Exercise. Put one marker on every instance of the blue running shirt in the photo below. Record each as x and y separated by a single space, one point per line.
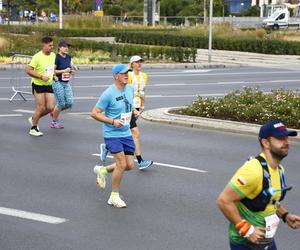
63 63
115 103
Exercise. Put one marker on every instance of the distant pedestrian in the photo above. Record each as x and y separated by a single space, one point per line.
62 88
41 69
114 110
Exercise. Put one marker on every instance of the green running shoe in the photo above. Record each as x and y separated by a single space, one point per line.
101 173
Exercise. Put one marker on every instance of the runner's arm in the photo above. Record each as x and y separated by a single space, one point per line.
60 71
99 116
30 71
226 203
291 219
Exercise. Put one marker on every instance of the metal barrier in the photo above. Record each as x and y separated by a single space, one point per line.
18 64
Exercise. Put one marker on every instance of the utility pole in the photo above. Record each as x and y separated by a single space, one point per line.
210 30
151 12
204 12
60 14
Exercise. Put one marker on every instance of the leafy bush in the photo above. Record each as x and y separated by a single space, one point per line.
249 105
267 46
30 45
125 51
72 32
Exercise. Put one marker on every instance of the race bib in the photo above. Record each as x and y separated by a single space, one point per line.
126 118
137 103
65 77
272 223
49 70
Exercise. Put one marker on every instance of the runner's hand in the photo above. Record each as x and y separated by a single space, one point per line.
118 123
257 235
55 78
45 78
67 70
293 221
136 113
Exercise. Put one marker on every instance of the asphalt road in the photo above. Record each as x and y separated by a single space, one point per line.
170 206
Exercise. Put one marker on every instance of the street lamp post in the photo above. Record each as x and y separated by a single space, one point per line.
210 30
60 15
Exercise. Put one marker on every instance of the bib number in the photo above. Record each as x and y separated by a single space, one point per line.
65 77
49 70
272 223
126 118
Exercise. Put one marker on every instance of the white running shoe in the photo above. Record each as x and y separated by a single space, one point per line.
35 132
116 201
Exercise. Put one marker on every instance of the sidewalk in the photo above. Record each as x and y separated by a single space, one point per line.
148 66
220 59
163 115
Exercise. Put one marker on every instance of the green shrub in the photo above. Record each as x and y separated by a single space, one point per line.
72 32
267 46
249 105
30 45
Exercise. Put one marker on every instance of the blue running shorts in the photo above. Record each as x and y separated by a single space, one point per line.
120 144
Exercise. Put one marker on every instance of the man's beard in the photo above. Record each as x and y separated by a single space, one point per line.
278 153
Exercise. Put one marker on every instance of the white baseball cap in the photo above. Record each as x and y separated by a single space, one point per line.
135 59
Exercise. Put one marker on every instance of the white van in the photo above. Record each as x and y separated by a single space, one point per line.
279 19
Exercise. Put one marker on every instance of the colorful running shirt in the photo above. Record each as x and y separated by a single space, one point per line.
63 63
117 104
43 65
138 82
247 182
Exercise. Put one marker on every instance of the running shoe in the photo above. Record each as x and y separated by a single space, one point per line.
30 121
144 164
116 201
56 125
103 152
101 173
35 132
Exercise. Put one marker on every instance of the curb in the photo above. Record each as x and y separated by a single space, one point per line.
148 66
163 115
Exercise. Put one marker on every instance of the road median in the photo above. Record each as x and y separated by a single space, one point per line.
165 115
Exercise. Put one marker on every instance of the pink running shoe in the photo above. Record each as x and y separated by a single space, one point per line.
56 125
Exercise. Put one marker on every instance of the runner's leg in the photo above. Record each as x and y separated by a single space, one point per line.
59 94
118 171
136 136
50 102
68 96
40 107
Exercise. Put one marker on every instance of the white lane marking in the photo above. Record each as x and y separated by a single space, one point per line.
79 113
196 70
10 115
222 74
19 87
184 84
31 216
182 73
168 165
148 96
24 111
242 82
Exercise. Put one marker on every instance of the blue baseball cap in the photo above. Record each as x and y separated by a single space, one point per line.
64 43
275 128
120 69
